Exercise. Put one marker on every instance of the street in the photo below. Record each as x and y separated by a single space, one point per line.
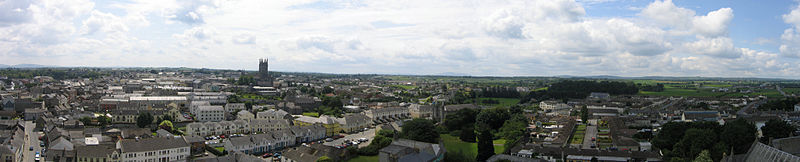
31 140
591 131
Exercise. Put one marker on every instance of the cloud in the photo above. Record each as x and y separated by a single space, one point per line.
684 21
244 39
790 39
717 47
15 12
514 37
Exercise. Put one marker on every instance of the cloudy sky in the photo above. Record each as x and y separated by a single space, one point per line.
720 38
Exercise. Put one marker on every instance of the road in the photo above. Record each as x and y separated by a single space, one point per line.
745 111
591 131
31 140
369 134
778 87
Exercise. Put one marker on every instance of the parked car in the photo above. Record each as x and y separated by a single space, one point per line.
329 139
363 139
267 155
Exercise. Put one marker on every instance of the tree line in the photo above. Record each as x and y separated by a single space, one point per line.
568 89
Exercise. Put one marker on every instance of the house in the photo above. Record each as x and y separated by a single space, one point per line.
599 95
245 115
387 114
210 113
153 149
331 126
309 133
96 153
233 107
196 104
421 111
231 157
354 122
273 114
262 125
691 116
196 144
410 150
33 114
454 108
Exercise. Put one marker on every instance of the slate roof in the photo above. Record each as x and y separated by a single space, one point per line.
150 144
98 151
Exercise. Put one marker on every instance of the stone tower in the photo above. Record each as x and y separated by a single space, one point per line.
264 79
263 68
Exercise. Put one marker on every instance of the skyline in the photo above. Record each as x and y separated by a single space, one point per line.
478 38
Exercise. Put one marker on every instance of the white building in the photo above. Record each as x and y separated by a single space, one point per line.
553 106
153 150
210 113
388 114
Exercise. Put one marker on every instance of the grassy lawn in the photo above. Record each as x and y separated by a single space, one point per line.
220 149
364 159
541 89
503 101
453 144
312 114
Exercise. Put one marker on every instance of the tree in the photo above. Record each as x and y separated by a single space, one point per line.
703 157
775 129
325 159
485 145
467 133
740 134
494 117
144 119
420 129
104 120
694 141
166 125
460 119
584 114
86 120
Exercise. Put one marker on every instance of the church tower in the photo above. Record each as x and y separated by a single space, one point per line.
264 79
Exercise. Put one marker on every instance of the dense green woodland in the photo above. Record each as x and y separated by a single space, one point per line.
683 141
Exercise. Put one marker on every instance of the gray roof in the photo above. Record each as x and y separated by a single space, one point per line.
151 144
94 151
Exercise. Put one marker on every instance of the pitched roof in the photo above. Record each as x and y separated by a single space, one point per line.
151 144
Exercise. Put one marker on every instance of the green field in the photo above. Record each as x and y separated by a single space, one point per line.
364 159
312 114
503 101
220 149
670 90
791 90
453 144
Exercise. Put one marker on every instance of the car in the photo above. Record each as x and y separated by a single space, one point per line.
31 148
37 154
363 139
267 155
329 139
593 139
41 144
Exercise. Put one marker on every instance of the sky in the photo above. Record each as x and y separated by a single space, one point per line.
710 38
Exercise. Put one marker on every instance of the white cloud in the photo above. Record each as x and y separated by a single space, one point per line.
684 21
513 37
717 47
